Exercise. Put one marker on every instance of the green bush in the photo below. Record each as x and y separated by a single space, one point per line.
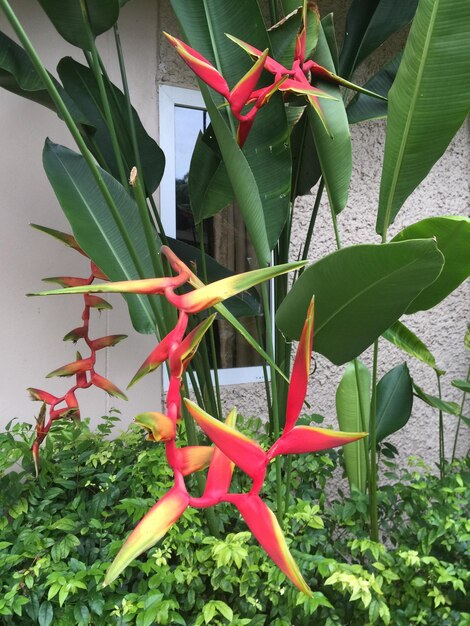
60 532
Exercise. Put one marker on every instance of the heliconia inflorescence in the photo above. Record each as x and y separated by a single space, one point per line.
82 369
231 448
297 80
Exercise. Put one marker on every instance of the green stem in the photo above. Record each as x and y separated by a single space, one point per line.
273 12
313 219
464 395
335 228
442 453
130 116
211 329
364 425
374 529
288 475
156 214
95 67
274 406
74 131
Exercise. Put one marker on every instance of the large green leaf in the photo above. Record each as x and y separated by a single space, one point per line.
69 21
359 292
428 102
362 107
333 147
210 190
402 337
369 23
81 85
394 401
352 394
267 153
452 235
95 228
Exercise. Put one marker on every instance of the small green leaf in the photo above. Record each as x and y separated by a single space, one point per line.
402 337
46 613
394 401
463 385
442 405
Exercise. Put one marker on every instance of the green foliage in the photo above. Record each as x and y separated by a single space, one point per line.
360 291
59 532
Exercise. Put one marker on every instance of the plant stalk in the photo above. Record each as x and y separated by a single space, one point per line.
464 395
374 529
442 453
95 67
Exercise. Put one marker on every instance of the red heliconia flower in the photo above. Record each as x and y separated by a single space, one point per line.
231 448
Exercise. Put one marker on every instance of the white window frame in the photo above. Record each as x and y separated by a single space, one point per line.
169 97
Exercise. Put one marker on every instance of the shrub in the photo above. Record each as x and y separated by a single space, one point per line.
60 532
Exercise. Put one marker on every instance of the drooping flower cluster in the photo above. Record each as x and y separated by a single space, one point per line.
297 80
82 369
231 447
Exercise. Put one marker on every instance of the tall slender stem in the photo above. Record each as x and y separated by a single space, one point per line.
464 395
364 425
442 453
374 529
335 227
313 219
211 329
274 397
95 67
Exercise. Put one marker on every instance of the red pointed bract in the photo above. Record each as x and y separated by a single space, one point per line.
151 528
200 66
263 524
43 396
302 439
243 89
81 365
248 455
300 371
108 386
161 353
107 342
220 471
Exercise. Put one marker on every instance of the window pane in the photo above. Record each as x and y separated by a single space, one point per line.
225 237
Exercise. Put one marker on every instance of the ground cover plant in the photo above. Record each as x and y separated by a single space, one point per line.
60 533
279 126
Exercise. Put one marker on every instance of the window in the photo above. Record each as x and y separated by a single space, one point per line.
182 117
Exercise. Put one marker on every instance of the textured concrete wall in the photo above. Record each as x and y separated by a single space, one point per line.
444 192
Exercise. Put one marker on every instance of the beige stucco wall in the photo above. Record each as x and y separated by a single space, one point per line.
30 330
